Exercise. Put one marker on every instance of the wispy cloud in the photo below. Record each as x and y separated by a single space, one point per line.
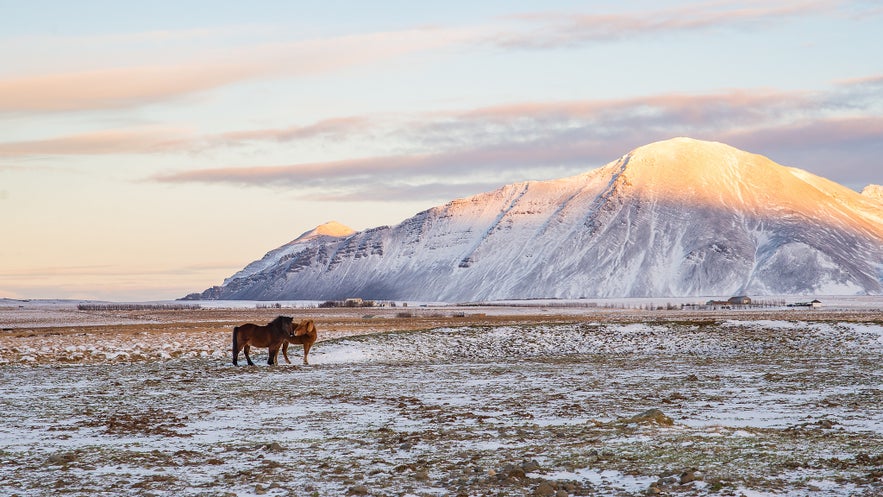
116 87
844 149
840 132
405 192
118 141
555 29
137 85
332 128
167 139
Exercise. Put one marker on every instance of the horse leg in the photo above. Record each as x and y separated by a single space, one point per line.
247 357
285 351
235 347
274 351
307 352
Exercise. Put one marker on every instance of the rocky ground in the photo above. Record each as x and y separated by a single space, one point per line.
484 404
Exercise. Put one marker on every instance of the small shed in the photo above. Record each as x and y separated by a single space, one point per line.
740 300
816 304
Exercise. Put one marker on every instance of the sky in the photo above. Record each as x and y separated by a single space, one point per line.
150 149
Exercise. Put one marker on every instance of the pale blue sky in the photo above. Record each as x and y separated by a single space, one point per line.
151 149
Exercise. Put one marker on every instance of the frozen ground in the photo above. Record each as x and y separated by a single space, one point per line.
755 408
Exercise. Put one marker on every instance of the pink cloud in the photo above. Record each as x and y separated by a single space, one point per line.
109 88
300 173
404 168
333 127
867 80
145 140
131 86
124 141
692 106
837 132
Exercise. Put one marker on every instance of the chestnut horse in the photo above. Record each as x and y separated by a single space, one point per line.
271 335
305 333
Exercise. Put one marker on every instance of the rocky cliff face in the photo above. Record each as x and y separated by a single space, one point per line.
675 218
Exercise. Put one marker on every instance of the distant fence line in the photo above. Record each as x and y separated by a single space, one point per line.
626 305
137 307
758 303
529 303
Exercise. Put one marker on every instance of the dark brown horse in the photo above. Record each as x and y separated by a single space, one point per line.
305 333
271 335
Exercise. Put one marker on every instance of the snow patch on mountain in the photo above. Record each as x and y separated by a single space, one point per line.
874 192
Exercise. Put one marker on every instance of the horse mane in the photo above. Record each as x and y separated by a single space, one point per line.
280 320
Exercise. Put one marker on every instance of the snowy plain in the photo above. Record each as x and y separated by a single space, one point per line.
754 407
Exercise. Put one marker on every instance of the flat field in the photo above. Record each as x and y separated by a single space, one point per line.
438 401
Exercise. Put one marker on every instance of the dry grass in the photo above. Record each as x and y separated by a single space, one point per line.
40 334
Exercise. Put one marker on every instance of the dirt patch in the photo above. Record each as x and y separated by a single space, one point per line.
153 421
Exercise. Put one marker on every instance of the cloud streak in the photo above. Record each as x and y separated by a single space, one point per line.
133 86
105 142
333 128
551 30
166 139
113 88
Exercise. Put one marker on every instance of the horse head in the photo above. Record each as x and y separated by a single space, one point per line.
306 327
284 323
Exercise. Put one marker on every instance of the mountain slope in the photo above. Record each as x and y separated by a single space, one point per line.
675 218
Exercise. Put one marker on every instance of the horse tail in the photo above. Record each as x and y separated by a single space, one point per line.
235 344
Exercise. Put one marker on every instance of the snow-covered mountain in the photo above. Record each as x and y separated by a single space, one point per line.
674 218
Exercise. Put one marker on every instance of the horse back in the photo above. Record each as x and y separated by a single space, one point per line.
252 334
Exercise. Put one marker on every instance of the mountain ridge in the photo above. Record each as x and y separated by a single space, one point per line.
680 217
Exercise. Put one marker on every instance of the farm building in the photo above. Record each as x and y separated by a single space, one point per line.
740 300
815 304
